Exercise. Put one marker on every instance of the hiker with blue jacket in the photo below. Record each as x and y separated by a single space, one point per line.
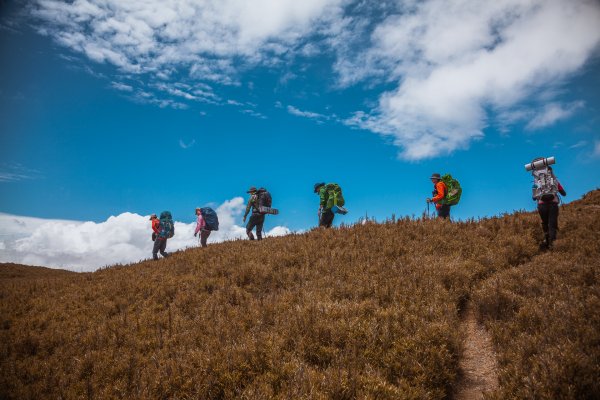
256 219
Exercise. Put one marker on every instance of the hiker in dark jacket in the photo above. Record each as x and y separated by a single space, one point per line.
439 193
548 210
325 214
256 219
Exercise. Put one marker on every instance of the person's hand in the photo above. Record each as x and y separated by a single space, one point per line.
195 233
428 200
244 220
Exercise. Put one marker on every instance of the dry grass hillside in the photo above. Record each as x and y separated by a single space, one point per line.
367 311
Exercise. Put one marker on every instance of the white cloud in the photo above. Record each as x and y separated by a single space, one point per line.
579 144
153 35
552 113
184 145
596 151
87 246
454 60
306 114
17 172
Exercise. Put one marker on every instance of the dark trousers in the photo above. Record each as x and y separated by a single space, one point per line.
326 219
444 211
204 234
160 244
549 214
256 220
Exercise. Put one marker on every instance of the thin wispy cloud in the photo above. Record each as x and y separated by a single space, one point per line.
552 113
306 114
184 145
17 172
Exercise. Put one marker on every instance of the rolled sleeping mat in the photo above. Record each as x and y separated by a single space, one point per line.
539 164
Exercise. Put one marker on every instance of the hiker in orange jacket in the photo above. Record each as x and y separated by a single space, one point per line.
155 228
439 193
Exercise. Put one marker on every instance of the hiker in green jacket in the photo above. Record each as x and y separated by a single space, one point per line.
325 214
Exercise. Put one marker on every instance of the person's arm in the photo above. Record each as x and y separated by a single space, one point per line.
561 190
249 206
199 224
322 197
156 226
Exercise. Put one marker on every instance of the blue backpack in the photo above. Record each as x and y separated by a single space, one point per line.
167 227
211 219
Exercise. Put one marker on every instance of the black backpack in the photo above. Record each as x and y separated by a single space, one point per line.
264 199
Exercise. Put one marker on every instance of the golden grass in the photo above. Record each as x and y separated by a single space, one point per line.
367 311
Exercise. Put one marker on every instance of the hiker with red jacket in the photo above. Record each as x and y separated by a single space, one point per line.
201 227
548 211
439 193
155 229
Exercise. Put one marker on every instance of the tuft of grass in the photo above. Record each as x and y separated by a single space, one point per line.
364 311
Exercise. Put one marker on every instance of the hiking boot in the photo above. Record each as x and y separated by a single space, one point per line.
543 246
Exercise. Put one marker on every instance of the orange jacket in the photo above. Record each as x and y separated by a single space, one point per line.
440 192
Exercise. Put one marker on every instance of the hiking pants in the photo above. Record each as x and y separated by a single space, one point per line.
549 214
326 218
256 220
204 234
443 211
160 244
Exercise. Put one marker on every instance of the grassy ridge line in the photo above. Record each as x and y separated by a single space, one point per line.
368 311
544 315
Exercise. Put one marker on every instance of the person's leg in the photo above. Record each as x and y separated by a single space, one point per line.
155 248
163 247
444 211
552 223
260 221
327 218
250 226
204 234
543 211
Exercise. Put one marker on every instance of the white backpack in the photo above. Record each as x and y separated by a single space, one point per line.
545 185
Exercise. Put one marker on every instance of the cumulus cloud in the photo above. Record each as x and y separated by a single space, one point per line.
87 246
454 60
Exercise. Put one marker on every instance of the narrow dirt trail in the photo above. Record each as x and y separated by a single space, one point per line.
478 362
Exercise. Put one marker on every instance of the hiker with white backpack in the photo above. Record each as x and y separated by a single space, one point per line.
545 191
206 222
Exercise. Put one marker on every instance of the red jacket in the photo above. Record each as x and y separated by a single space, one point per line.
155 225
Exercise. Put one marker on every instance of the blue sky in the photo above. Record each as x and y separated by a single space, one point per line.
140 106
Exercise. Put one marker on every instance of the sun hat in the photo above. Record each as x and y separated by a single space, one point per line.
435 176
251 190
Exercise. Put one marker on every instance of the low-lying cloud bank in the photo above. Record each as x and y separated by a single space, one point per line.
87 246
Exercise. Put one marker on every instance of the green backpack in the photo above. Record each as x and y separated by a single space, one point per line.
454 190
334 195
